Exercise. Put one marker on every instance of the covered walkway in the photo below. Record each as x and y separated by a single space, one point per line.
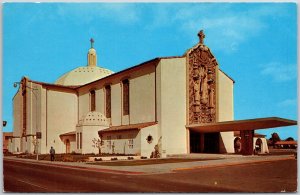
246 128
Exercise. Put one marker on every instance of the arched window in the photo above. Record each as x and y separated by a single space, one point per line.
93 100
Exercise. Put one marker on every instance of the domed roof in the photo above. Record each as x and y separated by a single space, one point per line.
83 75
94 118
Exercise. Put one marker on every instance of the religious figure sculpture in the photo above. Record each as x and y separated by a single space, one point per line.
196 96
211 98
202 86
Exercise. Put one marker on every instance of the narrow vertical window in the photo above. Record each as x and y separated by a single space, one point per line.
93 100
125 97
80 140
108 101
130 141
77 140
24 110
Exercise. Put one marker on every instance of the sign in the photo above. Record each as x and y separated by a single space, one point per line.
38 135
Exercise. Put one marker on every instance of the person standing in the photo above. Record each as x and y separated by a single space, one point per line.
52 153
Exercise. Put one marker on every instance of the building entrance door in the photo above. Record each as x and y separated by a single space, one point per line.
194 142
211 142
67 146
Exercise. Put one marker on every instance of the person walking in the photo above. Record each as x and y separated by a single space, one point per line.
52 152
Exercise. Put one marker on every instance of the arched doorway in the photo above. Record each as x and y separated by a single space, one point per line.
237 145
258 145
67 146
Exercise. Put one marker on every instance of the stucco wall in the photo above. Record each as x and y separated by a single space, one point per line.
43 146
121 145
15 145
88 134
142 96
116 104
172 105
84 102
148 148
33 115
100 100
62 117
225 110
17 113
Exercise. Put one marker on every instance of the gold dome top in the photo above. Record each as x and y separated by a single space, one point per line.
85 74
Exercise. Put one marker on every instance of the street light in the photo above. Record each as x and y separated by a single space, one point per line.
35 140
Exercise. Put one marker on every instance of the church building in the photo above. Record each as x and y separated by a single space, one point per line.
178 105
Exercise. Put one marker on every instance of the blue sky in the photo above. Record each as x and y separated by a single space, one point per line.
254 43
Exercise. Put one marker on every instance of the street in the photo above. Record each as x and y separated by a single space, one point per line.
276 176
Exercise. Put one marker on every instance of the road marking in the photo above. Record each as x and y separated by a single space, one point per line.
32 184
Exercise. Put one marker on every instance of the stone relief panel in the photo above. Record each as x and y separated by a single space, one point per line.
202 85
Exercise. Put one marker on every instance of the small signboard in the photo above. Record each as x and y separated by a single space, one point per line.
38 135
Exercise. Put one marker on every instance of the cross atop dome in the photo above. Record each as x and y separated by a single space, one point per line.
201 36
92 42
92 55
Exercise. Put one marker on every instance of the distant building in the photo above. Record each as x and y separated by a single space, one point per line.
7 138
286 144
259 140
181 104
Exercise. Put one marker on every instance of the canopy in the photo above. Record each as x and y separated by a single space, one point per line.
242 125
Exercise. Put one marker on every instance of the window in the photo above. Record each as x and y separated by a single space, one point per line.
80 134
109 142
24 110
108 101
119 136
93 100
130 143
125 97
77 140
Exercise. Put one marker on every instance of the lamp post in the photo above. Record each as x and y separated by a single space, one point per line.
35 140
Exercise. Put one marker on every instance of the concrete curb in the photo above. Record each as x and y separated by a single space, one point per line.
83 167
157 168
231 164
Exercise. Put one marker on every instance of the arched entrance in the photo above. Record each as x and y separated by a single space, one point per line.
67 146
258 145
237 145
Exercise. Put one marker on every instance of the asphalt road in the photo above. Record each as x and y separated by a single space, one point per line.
273 176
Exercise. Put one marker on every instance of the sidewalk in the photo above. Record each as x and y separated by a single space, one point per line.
222 160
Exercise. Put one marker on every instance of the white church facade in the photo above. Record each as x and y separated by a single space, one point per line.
165 101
